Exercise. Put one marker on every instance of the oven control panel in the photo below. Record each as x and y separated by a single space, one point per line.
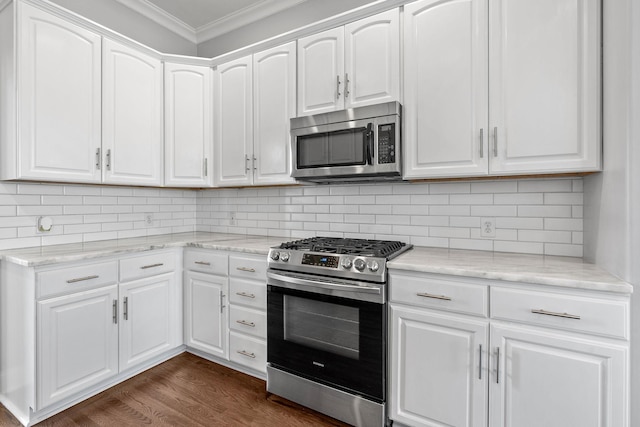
320 260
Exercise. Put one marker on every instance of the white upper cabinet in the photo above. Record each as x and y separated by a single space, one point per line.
274 104
510 87
372 60
188 120
545 85
58 102
254 101
350 66
233 123
132 116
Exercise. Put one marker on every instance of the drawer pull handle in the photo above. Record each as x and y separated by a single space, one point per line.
144 267
244 294
426 295
246 353
244 322
250 270
82 279
202 263
556 314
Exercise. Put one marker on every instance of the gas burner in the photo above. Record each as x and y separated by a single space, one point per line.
337 245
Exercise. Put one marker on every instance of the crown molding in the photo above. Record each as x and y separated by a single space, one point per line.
213 29
159 16
243 17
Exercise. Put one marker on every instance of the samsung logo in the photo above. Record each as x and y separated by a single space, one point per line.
319 364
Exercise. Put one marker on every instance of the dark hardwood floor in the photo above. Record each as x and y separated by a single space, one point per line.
185 391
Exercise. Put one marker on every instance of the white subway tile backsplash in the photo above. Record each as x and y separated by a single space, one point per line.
542 216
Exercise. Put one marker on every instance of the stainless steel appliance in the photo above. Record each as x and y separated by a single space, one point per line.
359 144
326 333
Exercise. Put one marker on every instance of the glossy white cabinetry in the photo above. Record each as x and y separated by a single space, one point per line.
438 372
49 121
500 88
70 330
350 66
248 311
132 116
188 123
254 100
206 294
77 343
544 356
274 104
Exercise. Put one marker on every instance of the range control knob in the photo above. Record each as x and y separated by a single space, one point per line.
359 264
275 255
373 266
347 263
284 256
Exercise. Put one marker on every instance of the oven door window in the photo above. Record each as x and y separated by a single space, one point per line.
338 148
336 341
326 326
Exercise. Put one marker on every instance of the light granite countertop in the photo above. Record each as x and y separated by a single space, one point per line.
534 269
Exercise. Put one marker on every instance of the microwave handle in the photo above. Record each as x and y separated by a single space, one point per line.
369 136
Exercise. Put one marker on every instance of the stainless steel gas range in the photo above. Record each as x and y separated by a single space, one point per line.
327 325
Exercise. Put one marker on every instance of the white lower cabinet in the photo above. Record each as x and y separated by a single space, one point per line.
546 356
77 343
205 315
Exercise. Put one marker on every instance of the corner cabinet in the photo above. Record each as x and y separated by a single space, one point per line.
501 88
541 356
50 122
350 66
254 100
132 116
188 121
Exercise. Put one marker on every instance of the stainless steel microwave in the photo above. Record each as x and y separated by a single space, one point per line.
359 144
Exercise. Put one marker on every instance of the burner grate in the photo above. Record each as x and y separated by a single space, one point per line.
337 245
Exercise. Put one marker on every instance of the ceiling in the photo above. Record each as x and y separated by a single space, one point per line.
202 20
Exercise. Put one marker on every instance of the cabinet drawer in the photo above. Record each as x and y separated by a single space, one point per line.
248 267
248 351
206 261
154 263
248 292
565 311
248 321
441 294
68 279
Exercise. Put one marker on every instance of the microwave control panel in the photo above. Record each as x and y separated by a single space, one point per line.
387 143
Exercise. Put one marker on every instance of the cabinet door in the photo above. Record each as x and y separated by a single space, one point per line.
132 116
274 104
446 94
59 105
545 86
372 60
554 380
233 128
206 313
77 343
438 370
188 120
147 319
321 72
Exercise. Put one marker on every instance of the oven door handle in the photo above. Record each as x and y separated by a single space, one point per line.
303 283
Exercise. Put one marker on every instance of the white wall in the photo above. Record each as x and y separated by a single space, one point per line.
123 20
612 198
298 16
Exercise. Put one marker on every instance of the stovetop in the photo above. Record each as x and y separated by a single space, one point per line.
337 245
358 259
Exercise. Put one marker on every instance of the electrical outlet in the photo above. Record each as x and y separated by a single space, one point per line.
148 219
487 227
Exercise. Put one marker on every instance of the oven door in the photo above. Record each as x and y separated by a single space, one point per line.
336 341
